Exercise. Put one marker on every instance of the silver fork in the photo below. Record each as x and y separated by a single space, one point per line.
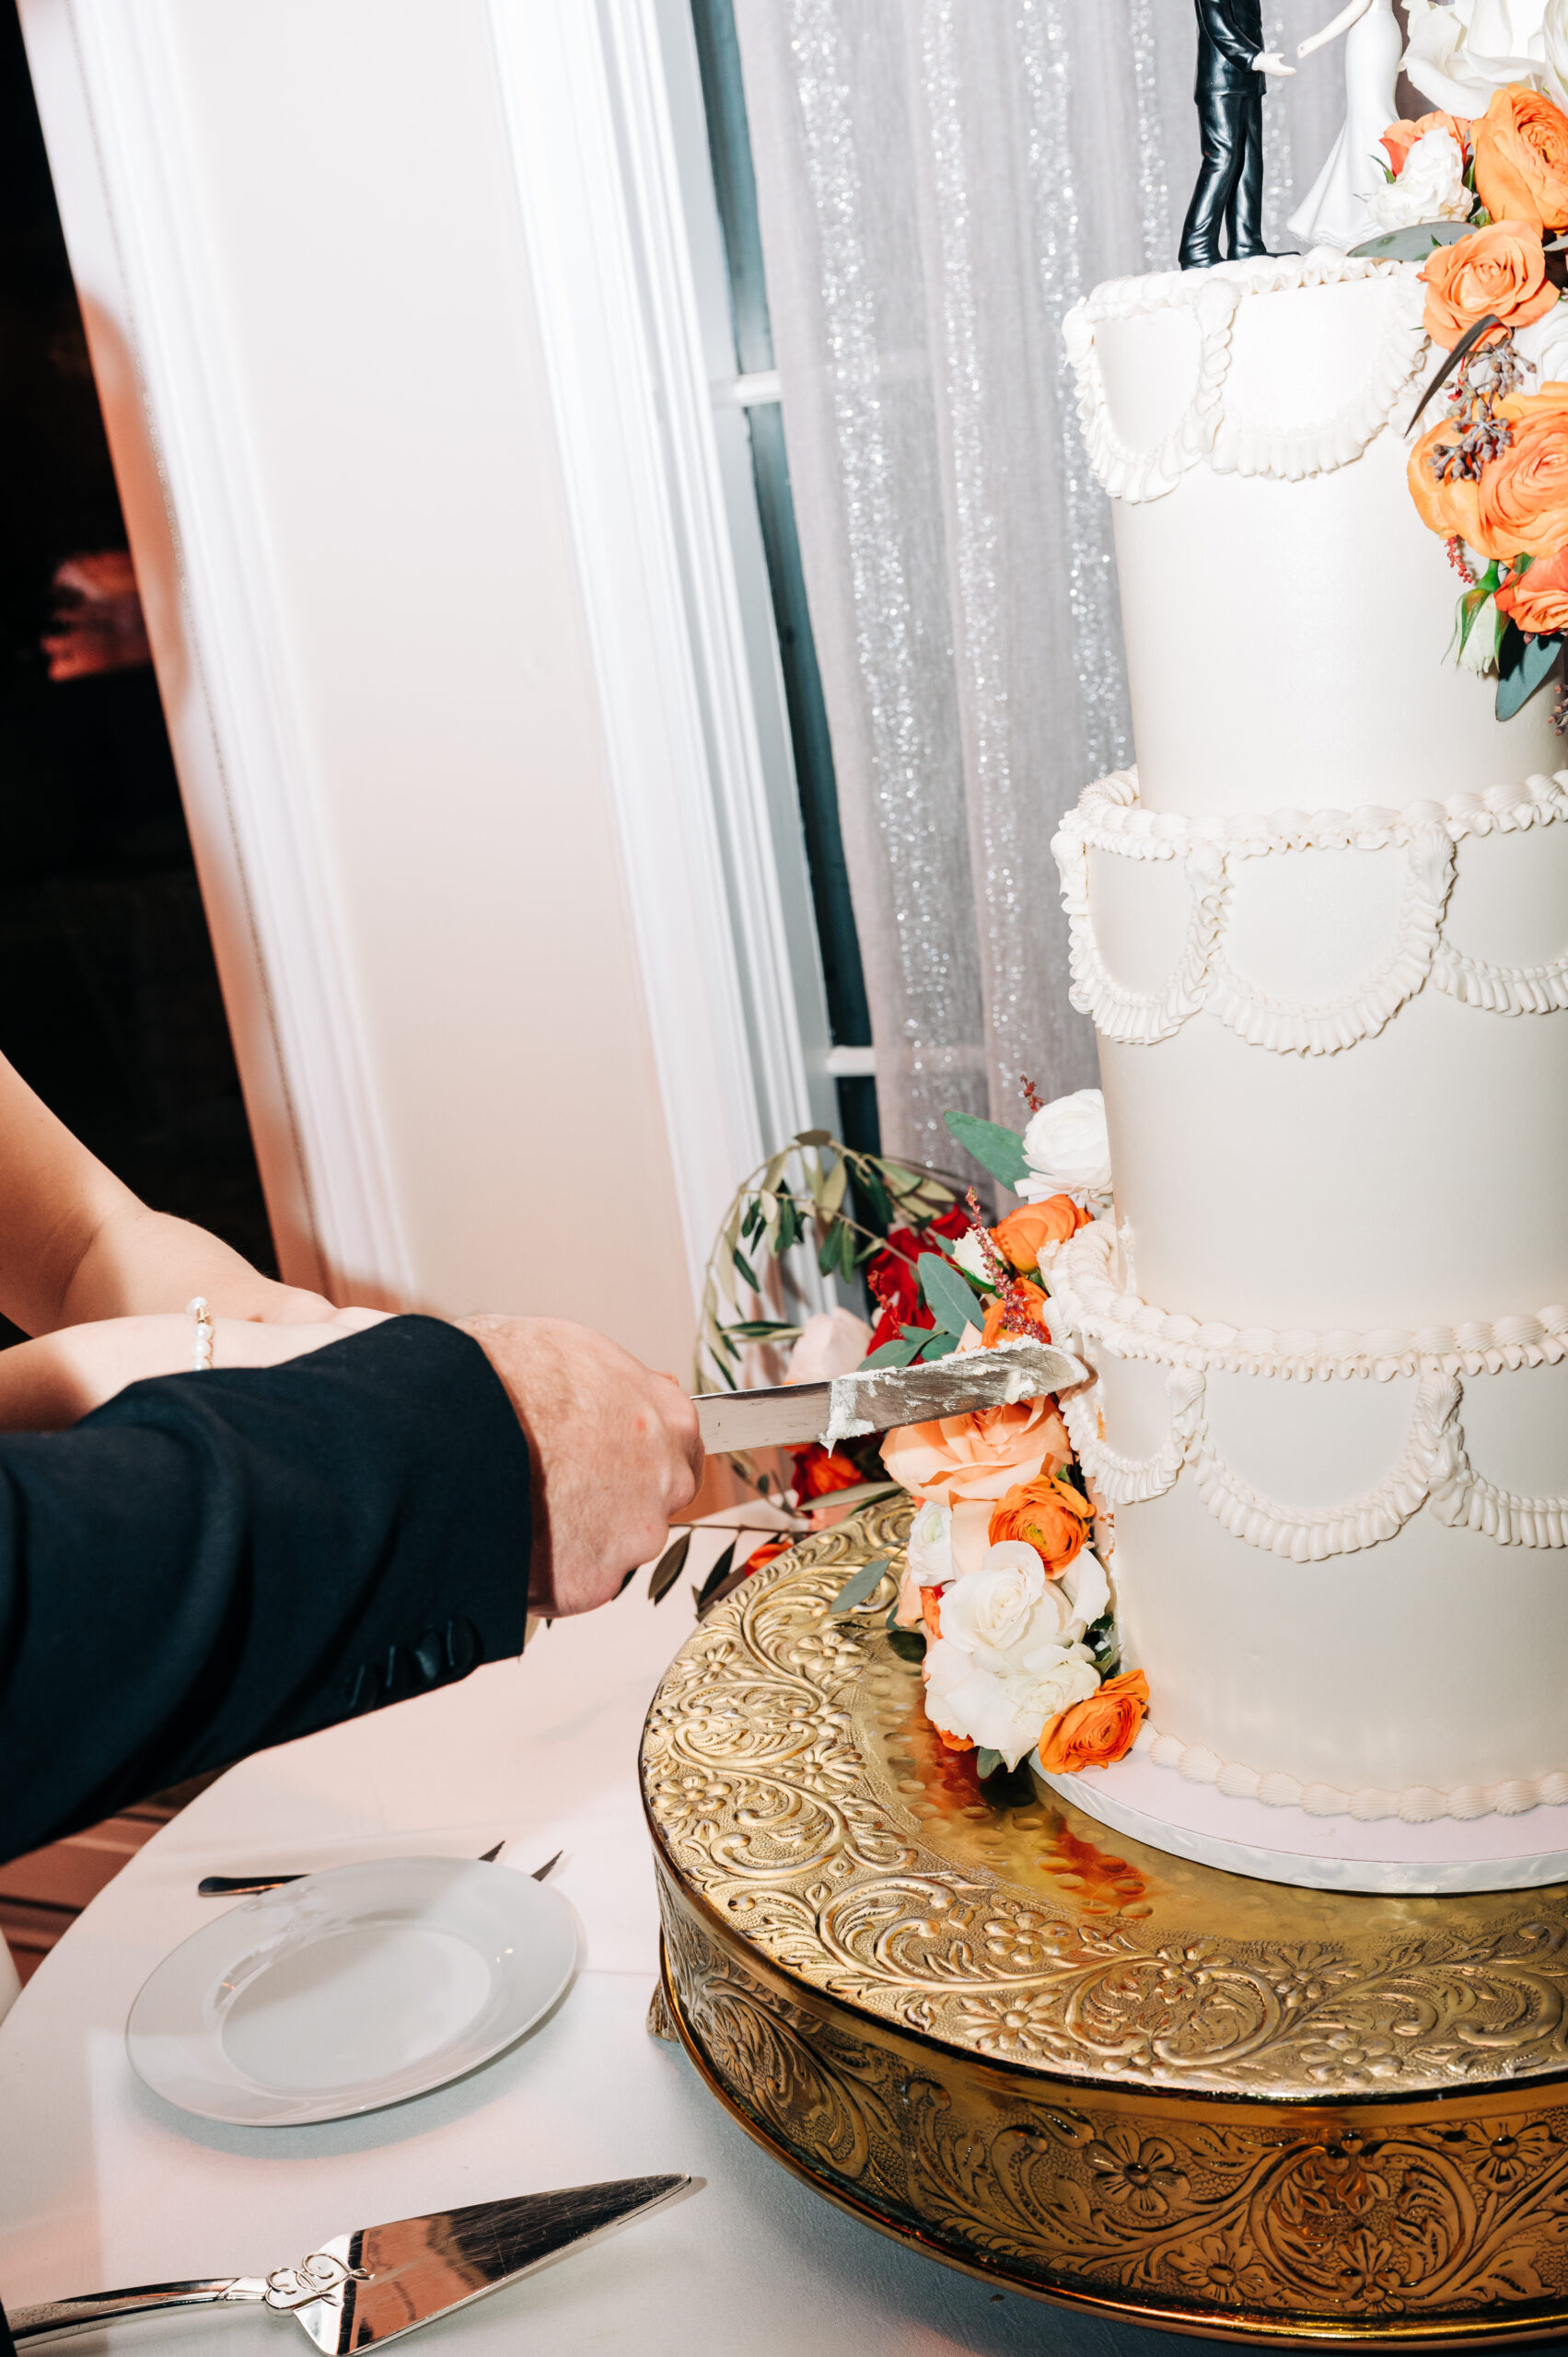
236 1885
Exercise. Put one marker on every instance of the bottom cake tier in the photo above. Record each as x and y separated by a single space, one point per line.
1090 2071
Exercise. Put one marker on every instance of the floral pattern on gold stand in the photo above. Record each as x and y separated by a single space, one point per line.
1115 2079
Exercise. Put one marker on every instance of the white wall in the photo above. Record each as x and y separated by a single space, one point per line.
305 263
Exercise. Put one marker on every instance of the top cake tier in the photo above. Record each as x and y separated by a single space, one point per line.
1286 609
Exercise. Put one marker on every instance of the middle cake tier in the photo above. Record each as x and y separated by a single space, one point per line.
1334 1050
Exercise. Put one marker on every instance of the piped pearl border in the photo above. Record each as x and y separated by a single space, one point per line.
1416 1804
1077 1273
1209 428
1108 819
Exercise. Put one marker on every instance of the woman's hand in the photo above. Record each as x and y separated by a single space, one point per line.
48 1384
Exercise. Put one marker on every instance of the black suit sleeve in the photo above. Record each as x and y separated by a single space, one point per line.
215 1563
1217 22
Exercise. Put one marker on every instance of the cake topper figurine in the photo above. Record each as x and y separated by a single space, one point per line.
1335 213
1232 61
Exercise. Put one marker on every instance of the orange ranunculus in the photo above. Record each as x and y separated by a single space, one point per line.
1098 1733
1501 269
930 1611
952 1742
979 1456
1400 137
1522 497
1538 600
818 1472
1521 159
1024 1234
1022 1295
1047 1515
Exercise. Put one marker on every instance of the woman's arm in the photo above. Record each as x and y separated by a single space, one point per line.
77 1246
51 1383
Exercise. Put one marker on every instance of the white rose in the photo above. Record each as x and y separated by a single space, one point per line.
989 1610
1459 54
1431 188
1555 50
1088 1590
1067 1148
1002 1713
830 1343
969 1255
1545 340
930 1551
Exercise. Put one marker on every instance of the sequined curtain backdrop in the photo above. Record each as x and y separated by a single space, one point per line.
938 181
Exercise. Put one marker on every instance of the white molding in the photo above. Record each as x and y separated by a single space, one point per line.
108 92
600 194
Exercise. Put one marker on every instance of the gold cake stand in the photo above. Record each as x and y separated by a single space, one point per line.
1098 2074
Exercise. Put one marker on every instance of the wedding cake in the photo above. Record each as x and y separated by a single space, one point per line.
1322 932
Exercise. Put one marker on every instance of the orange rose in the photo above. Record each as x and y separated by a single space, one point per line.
1538 600
979 1456
1444 507
930 1611
1098 1733
1521 159
1400 137
817 1474
953 1742
1024 1234
1024 1297
1522 497
1047 1515
1501 269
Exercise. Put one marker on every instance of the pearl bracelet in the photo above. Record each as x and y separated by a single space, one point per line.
202 1357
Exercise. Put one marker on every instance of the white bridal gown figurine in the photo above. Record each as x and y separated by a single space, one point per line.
1335 214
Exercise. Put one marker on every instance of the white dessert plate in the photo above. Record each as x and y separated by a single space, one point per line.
350 1989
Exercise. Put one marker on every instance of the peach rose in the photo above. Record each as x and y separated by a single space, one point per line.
1048 1516
1538 600
1501 269
1446 507
1521 159
978 1455
1022 1295
1522 497
1098 1733
1024 1234
1400 137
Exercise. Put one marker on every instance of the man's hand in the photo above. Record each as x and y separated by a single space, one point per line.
615 1452
1271 61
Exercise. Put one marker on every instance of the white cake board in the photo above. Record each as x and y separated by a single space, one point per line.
1161 1806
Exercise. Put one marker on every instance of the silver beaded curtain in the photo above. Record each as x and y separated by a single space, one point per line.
938 181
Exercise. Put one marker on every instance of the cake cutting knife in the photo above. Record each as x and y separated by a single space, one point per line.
879 1398
363 2289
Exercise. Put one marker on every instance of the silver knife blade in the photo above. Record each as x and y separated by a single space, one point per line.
880 1399
405 2274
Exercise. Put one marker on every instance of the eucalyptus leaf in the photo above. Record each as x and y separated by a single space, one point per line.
859 1585
861 1495
765 1329
995 1149
877 1198
1524 664
669 1568
833 1187
708 1593
908 1643
898 1353
938 1346
1413 243
815 1137
986 1762
953 1304
747 1271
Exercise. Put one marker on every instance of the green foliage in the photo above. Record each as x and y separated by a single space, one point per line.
986 1762
1524 664
995 1149
949 1295
908 1643
1412 244
860 1586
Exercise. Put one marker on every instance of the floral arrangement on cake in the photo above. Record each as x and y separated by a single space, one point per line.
1004 1597
1489 193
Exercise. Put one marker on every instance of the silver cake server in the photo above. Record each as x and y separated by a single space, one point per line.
363 2289
880 1399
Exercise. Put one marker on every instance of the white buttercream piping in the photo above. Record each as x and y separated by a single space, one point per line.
1210 426
1416 1804
1108 819
1076 1274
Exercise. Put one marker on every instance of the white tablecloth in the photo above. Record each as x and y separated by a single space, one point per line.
102 2184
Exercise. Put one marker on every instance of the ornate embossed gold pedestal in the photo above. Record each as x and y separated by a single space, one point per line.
1091 2071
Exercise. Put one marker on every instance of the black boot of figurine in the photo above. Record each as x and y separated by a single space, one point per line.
1230 184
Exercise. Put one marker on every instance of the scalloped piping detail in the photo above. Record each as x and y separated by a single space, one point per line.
1416 1804
1207 428
1108 819
1464 1499
1129 1480
1076 1274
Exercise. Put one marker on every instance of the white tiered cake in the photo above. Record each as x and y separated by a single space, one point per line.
1323 934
